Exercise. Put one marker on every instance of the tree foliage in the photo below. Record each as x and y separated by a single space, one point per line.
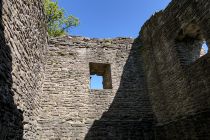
58 24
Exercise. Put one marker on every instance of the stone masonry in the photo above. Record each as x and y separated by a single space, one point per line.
156 87
23 41
178 80
70 107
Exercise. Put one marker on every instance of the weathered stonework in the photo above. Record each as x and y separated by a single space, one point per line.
179 86
156 87
70 108
23 41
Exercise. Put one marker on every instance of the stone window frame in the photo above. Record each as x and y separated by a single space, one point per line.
104 70
188 44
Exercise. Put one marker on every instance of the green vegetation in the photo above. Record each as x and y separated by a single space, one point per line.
58 24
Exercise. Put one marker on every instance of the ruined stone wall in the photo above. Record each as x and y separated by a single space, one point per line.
178 80
57 103
23 39
72 111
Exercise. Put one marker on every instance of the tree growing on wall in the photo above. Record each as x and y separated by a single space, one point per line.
58 24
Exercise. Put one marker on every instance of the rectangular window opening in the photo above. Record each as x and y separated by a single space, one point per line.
100 76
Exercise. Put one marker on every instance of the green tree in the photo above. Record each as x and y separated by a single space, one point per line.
58 24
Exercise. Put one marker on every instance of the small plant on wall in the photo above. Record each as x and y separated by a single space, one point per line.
57 23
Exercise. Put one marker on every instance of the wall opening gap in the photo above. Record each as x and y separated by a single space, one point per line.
204 49
96 82
190 44
100 76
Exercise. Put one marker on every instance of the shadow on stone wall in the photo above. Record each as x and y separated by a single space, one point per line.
130 114
11 125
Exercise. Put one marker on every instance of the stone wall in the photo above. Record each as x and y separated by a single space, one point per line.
47 95
23 39
178 80
71 110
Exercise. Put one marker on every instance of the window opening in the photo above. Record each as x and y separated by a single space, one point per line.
190 44
100 76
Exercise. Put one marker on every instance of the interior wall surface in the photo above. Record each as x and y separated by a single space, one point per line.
179 92
71 109
23 40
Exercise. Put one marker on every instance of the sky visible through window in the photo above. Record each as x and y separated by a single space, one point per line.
205 47
96 82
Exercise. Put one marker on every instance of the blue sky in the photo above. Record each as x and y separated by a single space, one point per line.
111 18
96 82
